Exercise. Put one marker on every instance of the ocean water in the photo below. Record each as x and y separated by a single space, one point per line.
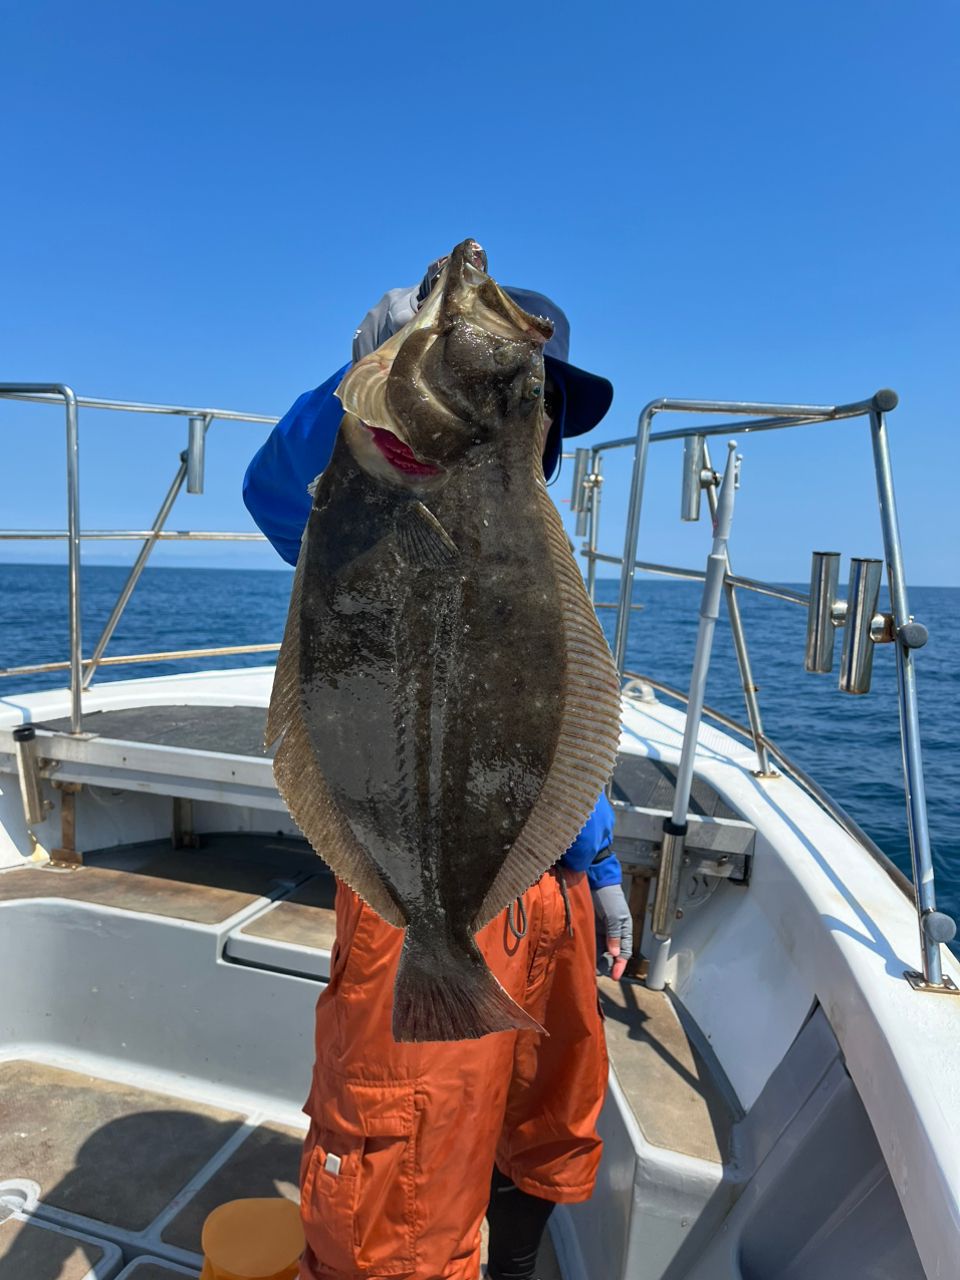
851 745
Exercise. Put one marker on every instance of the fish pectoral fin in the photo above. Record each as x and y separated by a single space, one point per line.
423 539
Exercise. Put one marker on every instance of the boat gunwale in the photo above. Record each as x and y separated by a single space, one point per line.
798 775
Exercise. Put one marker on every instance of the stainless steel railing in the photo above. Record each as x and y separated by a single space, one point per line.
751 417
934 927
190 471
799 775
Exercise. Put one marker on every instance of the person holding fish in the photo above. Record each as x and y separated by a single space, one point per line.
447 713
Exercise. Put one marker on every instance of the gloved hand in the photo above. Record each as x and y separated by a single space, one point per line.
478 255
616 925
397 307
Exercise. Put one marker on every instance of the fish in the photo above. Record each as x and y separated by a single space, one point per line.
445 703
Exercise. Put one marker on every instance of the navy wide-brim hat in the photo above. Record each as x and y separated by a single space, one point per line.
582 398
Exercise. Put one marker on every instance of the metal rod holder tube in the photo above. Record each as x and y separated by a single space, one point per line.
693 465
918 829
578 495
196 431
25 747
821 629
856 662
668 879
593 524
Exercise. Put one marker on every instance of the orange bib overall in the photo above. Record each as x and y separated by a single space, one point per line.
403 1137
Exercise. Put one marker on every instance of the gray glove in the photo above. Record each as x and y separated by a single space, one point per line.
616 925
392 312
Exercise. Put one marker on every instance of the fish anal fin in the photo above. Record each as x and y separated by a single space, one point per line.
423 539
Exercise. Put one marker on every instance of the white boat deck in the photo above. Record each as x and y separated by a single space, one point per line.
782 991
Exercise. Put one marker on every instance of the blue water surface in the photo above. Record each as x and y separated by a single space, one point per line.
851 745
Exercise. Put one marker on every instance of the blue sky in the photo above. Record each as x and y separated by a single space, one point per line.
747 200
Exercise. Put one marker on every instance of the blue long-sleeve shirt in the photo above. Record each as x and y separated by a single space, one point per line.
294 454
276 495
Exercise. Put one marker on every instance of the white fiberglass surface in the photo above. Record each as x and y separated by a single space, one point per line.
239 687
151 1001
821 920
111 816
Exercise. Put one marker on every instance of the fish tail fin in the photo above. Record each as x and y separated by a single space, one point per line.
452 996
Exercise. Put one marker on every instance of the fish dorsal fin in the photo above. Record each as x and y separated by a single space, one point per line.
588 739
423 539
300 781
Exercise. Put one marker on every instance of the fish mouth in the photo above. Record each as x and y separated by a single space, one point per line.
399 454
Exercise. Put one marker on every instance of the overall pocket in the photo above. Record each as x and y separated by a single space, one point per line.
328 1203
358 1196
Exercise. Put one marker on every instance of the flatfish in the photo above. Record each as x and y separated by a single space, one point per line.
446 705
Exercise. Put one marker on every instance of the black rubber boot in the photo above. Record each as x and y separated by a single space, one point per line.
517 1221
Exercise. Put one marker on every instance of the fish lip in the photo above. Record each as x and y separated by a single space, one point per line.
399 454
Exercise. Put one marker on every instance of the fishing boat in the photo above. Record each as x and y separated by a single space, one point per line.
784 1102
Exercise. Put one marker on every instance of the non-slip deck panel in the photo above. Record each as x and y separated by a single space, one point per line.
304 919
266 1164
236 731
33 1252
104 1150
652 784
668 1087
204 885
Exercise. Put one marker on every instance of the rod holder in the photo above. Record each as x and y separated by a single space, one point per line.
856 662
25 747
821 615
668 879
693 477
578 494
196 432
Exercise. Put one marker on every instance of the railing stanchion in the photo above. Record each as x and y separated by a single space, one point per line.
675 827
917 828
764 769
73 555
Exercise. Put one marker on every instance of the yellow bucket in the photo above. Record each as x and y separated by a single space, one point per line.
252 1240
